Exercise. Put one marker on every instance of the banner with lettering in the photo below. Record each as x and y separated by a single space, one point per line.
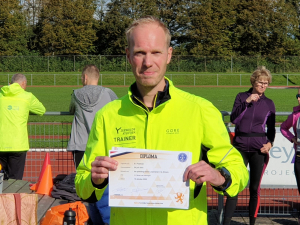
280 169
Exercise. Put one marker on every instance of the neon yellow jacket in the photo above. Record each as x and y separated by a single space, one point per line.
15 105
182 123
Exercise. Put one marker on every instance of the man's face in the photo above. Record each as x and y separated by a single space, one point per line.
149 55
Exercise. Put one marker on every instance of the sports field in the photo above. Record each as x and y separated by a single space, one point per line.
58 98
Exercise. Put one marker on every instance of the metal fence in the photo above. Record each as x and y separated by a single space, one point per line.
52 137
179 63
127 79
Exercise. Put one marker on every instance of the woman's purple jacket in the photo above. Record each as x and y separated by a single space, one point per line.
251 119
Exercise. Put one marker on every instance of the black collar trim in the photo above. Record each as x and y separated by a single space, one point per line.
161 96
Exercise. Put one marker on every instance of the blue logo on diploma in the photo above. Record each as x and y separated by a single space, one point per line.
182 157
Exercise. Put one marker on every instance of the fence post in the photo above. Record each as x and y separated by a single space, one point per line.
126 63
217 80
124 79
31 79
194 80
287 80
240 79
77 80
54 80
284 64
100 64
101 78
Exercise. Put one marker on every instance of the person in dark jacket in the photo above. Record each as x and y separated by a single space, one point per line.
252 112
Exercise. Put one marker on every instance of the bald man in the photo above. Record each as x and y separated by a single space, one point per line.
15 105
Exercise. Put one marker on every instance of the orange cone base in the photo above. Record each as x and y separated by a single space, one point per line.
34 187
46 185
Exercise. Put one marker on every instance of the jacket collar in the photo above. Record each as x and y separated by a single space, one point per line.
296 108
161 96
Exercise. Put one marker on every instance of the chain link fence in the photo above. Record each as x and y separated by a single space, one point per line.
179 63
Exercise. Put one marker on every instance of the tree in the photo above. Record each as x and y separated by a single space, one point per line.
211 27
111 29
12 28
67 27
265 27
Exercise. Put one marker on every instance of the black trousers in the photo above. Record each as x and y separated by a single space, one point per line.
297 174
13 163
77 156
257 163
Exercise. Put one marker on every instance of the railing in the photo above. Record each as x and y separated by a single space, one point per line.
179 63
53 138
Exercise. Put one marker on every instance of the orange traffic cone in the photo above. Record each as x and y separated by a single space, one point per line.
35 186
46 185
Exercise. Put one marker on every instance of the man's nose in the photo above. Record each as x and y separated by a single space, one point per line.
148 60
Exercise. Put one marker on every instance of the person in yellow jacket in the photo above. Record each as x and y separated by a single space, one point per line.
15 105
156 115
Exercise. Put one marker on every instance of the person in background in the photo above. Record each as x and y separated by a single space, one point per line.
15 106
252 112
143 119
293 121
85 102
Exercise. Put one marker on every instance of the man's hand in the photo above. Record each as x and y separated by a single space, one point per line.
203 172
100 168
266 148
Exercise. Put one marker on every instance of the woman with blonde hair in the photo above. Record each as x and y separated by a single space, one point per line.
252 112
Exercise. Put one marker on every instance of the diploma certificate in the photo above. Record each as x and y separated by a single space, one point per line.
149 178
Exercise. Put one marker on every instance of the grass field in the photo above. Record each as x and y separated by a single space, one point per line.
126 78
58 99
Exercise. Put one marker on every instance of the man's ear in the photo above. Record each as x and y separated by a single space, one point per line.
128 55
23 84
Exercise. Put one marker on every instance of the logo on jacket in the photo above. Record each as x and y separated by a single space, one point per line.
172 131
12 107
125 136
118 129
125 131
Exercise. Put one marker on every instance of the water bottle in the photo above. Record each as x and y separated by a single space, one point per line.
69 217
